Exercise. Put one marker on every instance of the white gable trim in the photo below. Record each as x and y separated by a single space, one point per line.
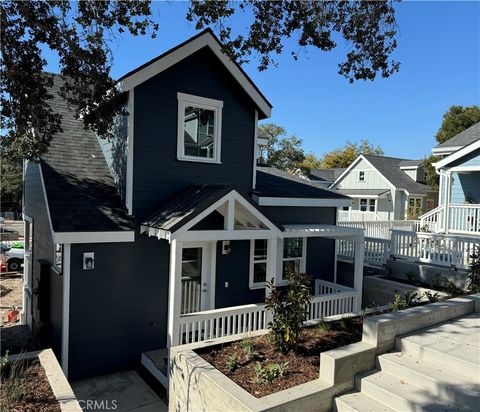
190 47
445 150
458 154
94 237
352 166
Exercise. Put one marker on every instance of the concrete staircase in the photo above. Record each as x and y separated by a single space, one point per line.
435 369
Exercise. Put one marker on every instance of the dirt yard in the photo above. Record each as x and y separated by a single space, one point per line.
10 295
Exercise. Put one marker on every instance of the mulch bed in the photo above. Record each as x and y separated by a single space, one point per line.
302 366
36 394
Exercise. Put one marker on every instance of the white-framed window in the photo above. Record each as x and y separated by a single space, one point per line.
361 176
28 229
293 257
199 128
58 258
258 263
368 205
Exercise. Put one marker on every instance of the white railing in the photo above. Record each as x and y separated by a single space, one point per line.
357 215
433 220
464 218
377 251
381 230
444 250
191 292
217 323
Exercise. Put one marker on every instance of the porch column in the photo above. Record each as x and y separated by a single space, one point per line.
175 293
448 196
272 247
358 270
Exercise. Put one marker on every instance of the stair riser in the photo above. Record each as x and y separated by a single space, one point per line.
442 359
340 406
384 396
434 386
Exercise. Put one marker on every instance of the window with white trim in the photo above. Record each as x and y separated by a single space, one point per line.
58 258
28 237
368 205
258 262
361 176
199 128
293 256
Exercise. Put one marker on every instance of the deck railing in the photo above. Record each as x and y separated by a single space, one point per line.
191 292
381 230
377 250
217 323
462 219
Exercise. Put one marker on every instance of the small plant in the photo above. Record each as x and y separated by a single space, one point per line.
473 278
443 284
411 298
232 362
3 362
411 277
399 303
270 372
289 311
249 350
13 387
432 297
323 326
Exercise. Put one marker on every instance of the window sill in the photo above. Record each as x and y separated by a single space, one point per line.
198 160
257 286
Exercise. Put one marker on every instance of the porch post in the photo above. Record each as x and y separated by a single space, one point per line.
175 293
358 270
448 196
272 246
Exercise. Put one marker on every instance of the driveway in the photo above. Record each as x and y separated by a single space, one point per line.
120 392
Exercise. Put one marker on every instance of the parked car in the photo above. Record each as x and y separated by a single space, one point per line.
13 256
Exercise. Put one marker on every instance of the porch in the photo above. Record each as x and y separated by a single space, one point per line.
459 218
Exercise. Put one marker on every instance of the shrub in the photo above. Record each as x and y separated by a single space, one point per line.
248 349
270 372
473 278
232 362
323 326
398 303
411 298
289 311
432 297
443 284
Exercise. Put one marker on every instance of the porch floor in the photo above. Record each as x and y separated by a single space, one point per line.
156 362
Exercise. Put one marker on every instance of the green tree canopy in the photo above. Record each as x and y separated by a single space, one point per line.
80 33
344 156
11 185
456 120
431 177
282 151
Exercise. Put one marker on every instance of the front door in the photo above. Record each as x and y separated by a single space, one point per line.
196 278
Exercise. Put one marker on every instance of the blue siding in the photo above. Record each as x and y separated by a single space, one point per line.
471 159
466 187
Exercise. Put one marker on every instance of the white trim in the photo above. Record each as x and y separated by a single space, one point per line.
256 151
445 150
206 39
200 103
130 149
460 169
251 283
303 259
198 235
94 237
153 369
301 202
409 167
175 293
46 202
66 307
458 154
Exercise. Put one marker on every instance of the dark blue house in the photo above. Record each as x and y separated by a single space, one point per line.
167 233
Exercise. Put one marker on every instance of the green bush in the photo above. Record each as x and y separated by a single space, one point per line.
473 278
270 372
289 311
443 284
432 297
232 362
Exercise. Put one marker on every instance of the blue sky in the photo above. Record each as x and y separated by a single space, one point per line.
439 51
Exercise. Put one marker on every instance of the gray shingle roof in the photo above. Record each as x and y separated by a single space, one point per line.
389 167
272 182
329 175
462 139
80 189
407 163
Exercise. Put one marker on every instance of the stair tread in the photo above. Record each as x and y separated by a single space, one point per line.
411 393
360 402
433 371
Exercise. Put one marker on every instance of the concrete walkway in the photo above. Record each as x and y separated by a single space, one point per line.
435 369
121 392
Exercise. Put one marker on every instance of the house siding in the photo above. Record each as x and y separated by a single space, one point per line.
47 331
158 175
119 309
373 179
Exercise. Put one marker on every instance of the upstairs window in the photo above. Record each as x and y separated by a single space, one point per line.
361 176
199 129
258 263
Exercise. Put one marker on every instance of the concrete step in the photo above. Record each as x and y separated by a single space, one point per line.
402 395
463 359
358 402
438 381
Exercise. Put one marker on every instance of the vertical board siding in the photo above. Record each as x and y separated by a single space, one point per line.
373 180
119 309
158 175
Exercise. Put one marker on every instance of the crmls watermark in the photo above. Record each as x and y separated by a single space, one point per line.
96 405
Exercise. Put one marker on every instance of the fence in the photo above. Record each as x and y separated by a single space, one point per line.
377 251
381 230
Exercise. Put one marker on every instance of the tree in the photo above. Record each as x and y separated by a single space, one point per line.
431 177
310 162
456 120
81 34
343 157
11 185
283 152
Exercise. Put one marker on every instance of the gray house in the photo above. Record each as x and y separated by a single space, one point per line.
169 232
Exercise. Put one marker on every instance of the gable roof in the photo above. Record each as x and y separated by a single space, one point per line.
462 139
465 150
410 164
206 38
329 175
272 182
80 190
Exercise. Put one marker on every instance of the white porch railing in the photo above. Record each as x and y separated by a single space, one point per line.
433 220
462 218
381 230
191 292
357 215
377 250
444 250
217 323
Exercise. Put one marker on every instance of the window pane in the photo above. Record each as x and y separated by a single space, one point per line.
292 247
191 262
260 252
371 203
363 205
290 266
259 272
361 176
199 130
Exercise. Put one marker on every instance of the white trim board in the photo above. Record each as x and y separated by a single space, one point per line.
458 154
301 202
445 150
66 307
130 149
94 237
206 39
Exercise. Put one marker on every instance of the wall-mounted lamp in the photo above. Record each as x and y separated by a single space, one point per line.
226 247
88 260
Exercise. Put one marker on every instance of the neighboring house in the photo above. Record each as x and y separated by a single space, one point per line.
325 177
384 188
125 239
459 188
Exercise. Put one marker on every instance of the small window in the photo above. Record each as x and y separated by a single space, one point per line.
368 205
371 205
58 258
199 128
363 205
361 176
292 256
258 264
